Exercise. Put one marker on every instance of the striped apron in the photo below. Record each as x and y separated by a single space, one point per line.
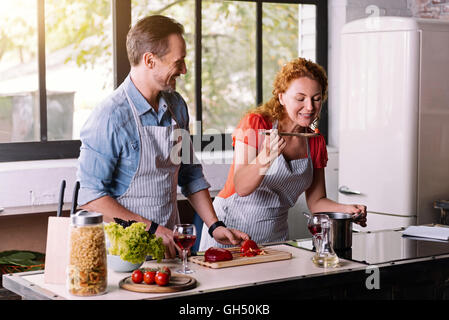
263 214
153 188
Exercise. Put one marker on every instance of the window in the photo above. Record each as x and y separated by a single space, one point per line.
56 66
60 58
18 72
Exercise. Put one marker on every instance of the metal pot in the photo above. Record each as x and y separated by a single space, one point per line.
341 229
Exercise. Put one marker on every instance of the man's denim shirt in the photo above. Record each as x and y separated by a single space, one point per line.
110 148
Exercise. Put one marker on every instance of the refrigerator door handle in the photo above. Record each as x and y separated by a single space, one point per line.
346 190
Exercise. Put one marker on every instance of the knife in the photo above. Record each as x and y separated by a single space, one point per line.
75 198
61 198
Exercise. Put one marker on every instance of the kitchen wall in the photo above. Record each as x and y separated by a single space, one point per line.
37 182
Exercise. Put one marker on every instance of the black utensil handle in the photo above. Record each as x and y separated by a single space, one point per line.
75 198
61 198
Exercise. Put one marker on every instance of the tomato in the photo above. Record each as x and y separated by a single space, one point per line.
149 277
162 278
137 276
248 244
167 270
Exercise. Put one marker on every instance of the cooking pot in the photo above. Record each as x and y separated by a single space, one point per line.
341 226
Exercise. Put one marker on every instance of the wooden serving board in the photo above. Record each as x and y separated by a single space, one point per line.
238 260
178 282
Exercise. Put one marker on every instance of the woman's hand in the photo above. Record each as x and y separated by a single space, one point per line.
272 147
357 209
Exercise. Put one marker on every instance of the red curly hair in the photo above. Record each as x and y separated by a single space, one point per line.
294 69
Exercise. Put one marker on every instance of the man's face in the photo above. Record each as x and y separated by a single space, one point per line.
172 64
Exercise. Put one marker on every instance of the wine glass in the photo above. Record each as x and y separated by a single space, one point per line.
184 236
314 225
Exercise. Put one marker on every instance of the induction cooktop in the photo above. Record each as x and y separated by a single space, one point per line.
385 246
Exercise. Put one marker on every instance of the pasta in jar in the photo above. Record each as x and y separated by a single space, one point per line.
87 268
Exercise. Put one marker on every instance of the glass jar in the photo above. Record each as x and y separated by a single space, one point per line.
87 268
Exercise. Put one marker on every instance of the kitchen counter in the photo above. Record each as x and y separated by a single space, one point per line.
382 265
31 284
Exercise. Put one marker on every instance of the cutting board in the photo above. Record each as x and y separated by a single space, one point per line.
238 260
178 282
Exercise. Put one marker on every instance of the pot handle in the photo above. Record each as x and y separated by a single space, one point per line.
346 190
356 217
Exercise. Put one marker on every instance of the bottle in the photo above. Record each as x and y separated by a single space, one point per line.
87 267
325 256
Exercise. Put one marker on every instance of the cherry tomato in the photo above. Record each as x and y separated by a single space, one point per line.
248 244
167 270
162 278
149 277
137 276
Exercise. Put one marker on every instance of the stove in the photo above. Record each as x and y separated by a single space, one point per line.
383 246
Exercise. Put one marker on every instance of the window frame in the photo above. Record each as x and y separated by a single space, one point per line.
121 15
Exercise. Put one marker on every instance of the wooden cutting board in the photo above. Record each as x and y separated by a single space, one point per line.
238 260
178 282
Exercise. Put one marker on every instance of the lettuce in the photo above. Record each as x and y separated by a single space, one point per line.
134 244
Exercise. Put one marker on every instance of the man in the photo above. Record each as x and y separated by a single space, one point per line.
125 169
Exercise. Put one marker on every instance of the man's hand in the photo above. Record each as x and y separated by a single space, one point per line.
229 236
167 239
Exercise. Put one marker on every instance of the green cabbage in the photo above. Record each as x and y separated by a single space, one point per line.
134 244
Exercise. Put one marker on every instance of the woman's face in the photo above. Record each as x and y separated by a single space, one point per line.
302 101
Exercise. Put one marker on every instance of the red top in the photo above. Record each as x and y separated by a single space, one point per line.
246 132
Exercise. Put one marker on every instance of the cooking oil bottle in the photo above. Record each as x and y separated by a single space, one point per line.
325 256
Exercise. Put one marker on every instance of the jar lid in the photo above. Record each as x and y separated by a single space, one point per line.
84 217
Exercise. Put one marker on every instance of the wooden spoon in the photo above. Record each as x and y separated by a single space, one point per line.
295 134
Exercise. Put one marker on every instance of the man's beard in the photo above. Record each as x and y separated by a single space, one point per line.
167 86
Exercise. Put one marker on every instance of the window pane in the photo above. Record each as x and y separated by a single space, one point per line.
19 101
184 13
228 63
79 62
297 39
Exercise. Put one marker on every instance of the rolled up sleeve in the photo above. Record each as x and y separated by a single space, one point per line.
191 179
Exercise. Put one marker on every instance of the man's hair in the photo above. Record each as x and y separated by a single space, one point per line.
150 34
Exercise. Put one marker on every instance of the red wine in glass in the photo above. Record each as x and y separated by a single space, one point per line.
185 241
314 228
184 235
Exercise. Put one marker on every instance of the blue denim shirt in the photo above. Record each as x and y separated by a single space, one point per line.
110 144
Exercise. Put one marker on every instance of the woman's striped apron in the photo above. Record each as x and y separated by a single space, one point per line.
152 191
263 214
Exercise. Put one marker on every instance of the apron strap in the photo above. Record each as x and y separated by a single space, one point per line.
136 116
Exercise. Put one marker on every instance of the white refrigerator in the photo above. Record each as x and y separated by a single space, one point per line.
394 119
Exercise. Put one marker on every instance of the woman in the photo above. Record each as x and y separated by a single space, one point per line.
269 172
